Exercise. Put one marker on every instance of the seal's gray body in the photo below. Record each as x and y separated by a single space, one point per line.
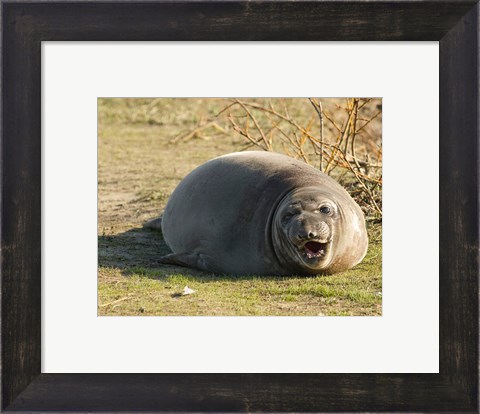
219 218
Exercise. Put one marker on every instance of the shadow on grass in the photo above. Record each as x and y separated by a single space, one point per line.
138 250
135 248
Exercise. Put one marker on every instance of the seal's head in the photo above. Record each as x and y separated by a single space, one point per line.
317 231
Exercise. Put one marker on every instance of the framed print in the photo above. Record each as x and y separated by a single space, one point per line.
128 253
33 33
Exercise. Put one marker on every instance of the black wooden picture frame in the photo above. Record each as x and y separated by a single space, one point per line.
26 24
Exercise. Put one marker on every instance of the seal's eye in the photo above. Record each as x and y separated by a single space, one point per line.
325 209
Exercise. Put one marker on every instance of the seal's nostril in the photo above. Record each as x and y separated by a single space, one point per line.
302 234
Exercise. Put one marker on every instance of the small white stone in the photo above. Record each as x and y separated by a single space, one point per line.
187 291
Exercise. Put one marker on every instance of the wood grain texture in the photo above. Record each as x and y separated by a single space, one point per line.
459 161
21 210
240 393
356 20
25 25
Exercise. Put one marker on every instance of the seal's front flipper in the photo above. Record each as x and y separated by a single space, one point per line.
155 224
196 260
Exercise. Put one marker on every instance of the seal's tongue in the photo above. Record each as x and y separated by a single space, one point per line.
314 249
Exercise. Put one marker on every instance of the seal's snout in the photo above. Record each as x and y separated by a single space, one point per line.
314 239
319 231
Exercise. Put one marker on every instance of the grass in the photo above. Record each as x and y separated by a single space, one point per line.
138 169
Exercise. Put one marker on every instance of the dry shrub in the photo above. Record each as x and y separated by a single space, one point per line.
341 137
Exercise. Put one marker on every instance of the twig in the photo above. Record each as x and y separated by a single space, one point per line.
365 102
370 120
245 134
283 117
338 144
256 124
360 181
319 110
194 132
224 109
115 301
325 114
354 133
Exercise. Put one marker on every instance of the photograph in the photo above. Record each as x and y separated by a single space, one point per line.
239 206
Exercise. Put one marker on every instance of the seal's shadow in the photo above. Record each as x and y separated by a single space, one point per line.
141 248
136 249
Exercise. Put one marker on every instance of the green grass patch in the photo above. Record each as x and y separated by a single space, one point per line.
141 290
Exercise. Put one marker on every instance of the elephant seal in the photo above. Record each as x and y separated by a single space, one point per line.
262 213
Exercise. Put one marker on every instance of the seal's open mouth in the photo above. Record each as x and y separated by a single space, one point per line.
315 249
